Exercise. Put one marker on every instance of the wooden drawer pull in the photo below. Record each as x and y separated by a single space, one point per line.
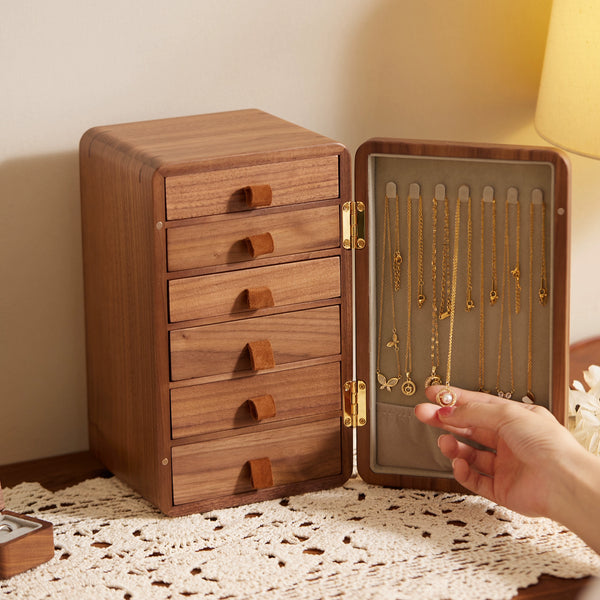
261 355
258 195
261 473
260 244
260 297
262 407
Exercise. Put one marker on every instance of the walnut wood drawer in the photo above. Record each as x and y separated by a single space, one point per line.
224 241
224 406
224 348
252 289
220 467
216 192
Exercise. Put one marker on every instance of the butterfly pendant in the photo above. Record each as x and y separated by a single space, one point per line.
386 384
394 342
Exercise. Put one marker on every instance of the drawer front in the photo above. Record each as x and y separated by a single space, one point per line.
220 467
217 192
228 405
251 289
223 348
224 241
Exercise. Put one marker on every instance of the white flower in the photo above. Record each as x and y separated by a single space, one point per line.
584 410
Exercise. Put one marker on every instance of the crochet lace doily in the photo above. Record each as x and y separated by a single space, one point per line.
356 541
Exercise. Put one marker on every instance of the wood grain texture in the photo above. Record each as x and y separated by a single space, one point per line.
26 551
127 172
221 348
122 303
211 407
218 192
225 293
213 141
222 242
583 354
219 467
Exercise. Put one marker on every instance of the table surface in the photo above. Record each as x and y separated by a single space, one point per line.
62 471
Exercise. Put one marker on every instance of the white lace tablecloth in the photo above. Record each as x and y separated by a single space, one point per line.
357 541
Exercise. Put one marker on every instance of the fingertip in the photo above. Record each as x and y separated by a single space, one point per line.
460 468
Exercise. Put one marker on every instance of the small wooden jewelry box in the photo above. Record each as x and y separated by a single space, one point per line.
218 260
25 542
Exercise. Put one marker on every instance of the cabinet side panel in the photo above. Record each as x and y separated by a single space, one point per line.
119 285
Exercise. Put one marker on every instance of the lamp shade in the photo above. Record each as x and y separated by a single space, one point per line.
568 107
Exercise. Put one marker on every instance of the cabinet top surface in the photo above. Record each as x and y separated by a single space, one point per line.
209 137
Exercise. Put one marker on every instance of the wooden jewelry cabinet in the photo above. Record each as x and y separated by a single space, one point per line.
219 253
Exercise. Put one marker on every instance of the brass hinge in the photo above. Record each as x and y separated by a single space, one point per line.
355 403
353 225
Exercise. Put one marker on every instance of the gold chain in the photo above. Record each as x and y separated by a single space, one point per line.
503 301
453 294
384 383
494 290
408 387
445 282
530 322
470 305
543 292
397 262
516 271
420 295
446 397
482 303
434 378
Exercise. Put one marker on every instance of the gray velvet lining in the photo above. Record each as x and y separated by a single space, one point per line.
399 443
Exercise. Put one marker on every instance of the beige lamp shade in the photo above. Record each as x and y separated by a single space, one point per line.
568 108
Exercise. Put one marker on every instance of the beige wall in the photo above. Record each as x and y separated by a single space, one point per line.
351 69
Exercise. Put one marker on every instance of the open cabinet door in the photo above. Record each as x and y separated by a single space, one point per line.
463 278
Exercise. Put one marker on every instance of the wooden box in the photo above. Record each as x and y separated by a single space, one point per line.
218 259
25 542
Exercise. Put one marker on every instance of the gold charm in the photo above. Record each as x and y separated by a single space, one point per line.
408 387
433 379
394 342
421 300
445 397
386 384
543 295
493 297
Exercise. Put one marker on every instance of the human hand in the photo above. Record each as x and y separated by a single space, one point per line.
525 448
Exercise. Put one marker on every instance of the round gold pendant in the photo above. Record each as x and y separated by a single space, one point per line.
432 380
445 397
409 387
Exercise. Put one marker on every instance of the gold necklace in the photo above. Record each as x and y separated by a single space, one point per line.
516 270
529 398
434 378
481 301
420 295
494 288
386 246
543 292
397 262
464 197
408 386
537 199
445 282
505 293
446 397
